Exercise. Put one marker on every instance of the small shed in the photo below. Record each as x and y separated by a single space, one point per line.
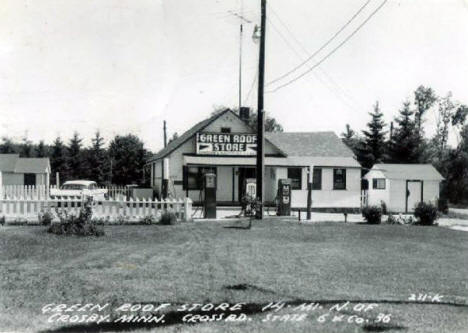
402 186
16 170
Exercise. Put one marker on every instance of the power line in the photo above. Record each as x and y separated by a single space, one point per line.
251 87
331 52
340 91
322 47
301 58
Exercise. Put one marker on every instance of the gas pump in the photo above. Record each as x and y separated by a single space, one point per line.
250 195
209 185
284 197
251 187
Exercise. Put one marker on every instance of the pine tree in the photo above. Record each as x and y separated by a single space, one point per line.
373 147
26 148
41 150
58 161
351 139
97 160
75 157
7 146
406 142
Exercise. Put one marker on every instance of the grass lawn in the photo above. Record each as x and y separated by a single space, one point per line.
207 263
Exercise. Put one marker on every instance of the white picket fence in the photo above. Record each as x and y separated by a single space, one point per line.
20 191
42 191
112 210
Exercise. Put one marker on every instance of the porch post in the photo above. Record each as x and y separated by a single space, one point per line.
310 179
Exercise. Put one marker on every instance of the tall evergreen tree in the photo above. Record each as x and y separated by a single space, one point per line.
26 148
352 140
97 160
405 144
373 146
7 146
58 161
41 149
75 157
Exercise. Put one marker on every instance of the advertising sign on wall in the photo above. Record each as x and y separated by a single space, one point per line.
226 144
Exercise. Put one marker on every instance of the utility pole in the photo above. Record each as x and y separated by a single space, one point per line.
240 66
261 113
165 134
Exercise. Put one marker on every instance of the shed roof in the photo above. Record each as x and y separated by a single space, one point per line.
8 162
409 171
16 164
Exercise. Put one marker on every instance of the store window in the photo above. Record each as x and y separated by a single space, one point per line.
339 179
193 176
295 174
317 179
378 183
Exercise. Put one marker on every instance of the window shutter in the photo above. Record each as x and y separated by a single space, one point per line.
184 177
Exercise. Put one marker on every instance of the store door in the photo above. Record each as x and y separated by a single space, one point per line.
244 173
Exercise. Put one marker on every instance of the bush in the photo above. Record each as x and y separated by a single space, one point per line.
168 218
372 214
442 205
101 220
149 219
45 218
122 219
426 213
392 220
383 206
80 225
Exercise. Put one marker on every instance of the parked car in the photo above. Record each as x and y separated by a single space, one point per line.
76 189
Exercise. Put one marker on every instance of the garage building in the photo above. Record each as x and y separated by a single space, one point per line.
402 186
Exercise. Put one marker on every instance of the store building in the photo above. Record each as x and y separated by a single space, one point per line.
226 145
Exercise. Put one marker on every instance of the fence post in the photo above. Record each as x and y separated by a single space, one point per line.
187 209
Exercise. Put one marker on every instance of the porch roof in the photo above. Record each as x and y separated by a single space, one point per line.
273 161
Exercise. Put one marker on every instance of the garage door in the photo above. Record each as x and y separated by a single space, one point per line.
414 194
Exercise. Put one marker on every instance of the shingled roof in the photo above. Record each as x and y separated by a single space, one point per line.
8 162
326 144
14 163
292 144
173 145
409 171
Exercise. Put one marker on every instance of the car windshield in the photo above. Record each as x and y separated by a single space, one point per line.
73 187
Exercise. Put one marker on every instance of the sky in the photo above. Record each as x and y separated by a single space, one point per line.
124 66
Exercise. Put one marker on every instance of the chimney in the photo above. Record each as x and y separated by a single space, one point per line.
244 113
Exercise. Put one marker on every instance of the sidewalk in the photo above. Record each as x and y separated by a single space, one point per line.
230 213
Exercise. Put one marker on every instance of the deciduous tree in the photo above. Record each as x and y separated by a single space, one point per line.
424 99
128 157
